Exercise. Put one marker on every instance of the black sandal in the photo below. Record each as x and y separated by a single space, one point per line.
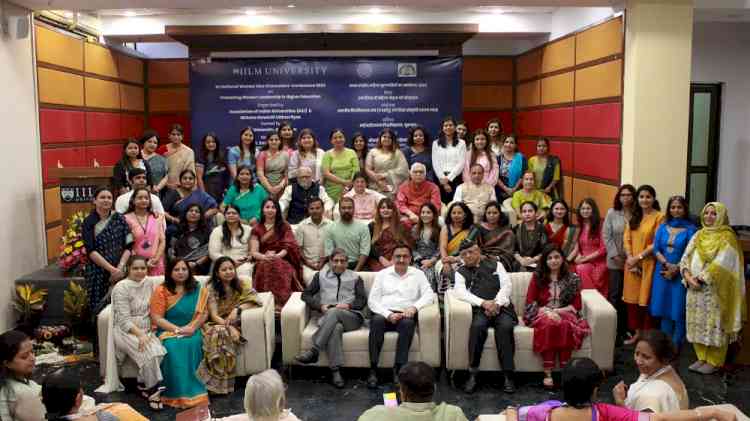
154 399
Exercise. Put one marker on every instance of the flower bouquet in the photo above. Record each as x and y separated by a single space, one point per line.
73 256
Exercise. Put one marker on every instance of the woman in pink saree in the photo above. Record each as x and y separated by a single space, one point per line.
278 261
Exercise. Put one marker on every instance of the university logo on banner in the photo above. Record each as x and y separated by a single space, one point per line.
407 70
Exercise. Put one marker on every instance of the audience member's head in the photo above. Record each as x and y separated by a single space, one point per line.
315 208
16 356
137 177
265 396
653 351
581 378
417 381
61 393
470 253
339 260
346 209
418 172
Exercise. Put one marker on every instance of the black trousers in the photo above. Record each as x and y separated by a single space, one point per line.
447 197
616 281
504 341
405 328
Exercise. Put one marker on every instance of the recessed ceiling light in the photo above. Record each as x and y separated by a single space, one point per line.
291 6
375 10
251 12
130 13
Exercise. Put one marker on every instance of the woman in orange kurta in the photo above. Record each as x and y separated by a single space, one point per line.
639 265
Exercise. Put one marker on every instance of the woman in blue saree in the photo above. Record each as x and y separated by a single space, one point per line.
667 291
178 309
177 201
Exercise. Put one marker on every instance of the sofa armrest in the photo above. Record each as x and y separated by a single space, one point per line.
102 329
294 318
428 319
259 328
458 316
602 319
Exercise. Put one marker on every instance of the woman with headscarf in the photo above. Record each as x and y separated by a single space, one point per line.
713 271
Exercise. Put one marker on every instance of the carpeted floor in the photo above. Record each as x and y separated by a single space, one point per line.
311 398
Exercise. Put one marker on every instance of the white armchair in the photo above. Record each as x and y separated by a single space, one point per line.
258 328
297 329
599 345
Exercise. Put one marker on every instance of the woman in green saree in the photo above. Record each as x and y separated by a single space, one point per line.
178 309
222 334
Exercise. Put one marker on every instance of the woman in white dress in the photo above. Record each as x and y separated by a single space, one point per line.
131 330
232 239
659 387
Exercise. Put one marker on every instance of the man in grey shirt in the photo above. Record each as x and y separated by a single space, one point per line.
339 295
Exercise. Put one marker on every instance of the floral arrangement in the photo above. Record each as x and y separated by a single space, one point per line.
73 255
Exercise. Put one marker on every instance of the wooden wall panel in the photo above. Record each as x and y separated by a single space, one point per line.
100 60
54 241
598 160
130 68
600 81
599 120
559 55
57 87
169 99
67 157
168 72
527 146
528 94
52 210
131 125
487 69
56 48
528 122
603 194
564 151
600 41
102 126
557 89
488 96
105 155
162 123
529 65
568 191
102 93
131 97
557 122
479 119
61 126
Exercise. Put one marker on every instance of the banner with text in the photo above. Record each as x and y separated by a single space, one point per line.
364 95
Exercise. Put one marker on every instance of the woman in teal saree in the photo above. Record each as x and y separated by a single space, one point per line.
178 309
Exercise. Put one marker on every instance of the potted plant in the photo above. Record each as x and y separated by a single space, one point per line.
29 302
75 306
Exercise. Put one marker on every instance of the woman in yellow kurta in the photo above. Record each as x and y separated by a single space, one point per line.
713 271
529 193
640 263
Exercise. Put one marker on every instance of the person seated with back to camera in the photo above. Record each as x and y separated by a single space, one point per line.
338 295
417 389
309 235
484 283
397 294
298 194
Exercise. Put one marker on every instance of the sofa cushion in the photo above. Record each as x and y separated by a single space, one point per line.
520 281
524 337
358 340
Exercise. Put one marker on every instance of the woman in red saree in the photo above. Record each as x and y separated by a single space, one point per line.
561 232
278 262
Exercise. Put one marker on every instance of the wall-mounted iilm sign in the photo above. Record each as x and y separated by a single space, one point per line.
77 194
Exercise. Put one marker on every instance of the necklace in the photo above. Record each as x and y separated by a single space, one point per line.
146 244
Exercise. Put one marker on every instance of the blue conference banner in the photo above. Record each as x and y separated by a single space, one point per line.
365 95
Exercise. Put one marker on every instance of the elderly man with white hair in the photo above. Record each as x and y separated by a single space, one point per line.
414 193
297 195
265 399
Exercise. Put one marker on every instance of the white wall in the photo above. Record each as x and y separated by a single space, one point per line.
569 19
22 234
721 53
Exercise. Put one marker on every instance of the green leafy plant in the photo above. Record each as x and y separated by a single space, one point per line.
75 305
29 302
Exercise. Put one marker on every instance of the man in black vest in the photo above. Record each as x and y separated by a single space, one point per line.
297 195
485 284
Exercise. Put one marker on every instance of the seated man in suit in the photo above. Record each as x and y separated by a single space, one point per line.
397 294
338 294
485 284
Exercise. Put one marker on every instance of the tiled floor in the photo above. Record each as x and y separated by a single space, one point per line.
313 399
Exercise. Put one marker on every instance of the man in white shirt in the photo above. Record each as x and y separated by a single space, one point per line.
485 284
397 294
137 179
476 193
309 235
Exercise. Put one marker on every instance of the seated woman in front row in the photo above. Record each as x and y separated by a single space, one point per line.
581 380
178 309
132 336
459 226
553 303
659 387
530 238
190 242
497 239
529 193
222 334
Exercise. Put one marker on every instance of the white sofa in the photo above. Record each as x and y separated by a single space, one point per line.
599 345
258 328
297 329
